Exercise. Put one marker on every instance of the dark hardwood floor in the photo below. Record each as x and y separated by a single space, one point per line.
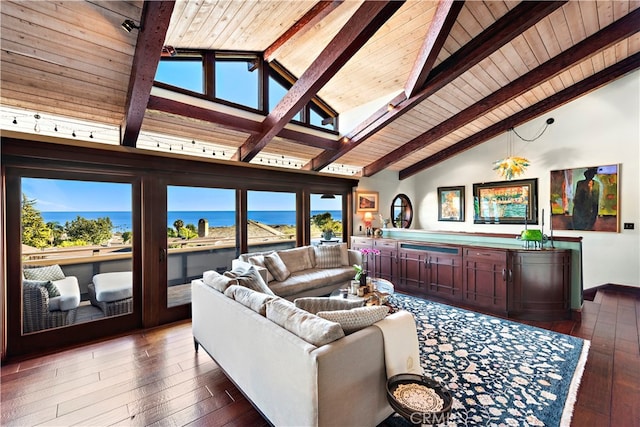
155 377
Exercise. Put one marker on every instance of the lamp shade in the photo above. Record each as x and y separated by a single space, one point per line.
368 216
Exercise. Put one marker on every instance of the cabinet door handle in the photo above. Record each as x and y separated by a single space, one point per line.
510 275
504 274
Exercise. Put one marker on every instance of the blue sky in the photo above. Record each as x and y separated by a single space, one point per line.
83 196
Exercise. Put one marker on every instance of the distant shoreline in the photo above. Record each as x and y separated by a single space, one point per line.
122 219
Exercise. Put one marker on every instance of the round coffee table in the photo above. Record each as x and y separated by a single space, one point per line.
337 293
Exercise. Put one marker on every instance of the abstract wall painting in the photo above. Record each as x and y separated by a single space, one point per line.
585 198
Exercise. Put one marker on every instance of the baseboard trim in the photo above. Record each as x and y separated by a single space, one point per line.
590 294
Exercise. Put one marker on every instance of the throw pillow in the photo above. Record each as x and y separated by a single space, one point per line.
309 327
276 267
297 259
51 288
256 301
259 261
357 318
328 256
51 272
250 278
316 304
218 281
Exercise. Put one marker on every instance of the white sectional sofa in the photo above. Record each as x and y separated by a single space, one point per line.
289 380
310 270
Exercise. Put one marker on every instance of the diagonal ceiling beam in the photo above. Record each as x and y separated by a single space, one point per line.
615 32
577 90
512 24
230 121
316 14
356 32
443 21
154 22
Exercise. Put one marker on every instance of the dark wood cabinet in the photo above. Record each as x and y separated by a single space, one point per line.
386 262
485 279
540 286
444 272
412 261
519 283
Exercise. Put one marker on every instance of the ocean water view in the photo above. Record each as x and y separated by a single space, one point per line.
122 220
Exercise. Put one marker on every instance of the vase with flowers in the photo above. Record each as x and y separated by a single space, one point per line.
362 270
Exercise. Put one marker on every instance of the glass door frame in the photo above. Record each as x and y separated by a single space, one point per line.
46 340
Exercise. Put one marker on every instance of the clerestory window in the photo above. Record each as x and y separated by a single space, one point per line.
238 79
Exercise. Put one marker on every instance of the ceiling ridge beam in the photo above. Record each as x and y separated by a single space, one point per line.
233 122
446 15
608 36
522 17
575 91
316 14
154 24
364 23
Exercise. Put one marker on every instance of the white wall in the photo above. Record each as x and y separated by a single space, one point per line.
600 128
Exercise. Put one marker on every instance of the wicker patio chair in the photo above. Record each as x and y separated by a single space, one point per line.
36 313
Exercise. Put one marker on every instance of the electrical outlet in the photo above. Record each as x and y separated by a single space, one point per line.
629 226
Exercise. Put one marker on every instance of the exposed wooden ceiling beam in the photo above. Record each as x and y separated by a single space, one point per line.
356 32
443 20
316 14
618 30
154 22
577 90
512 24
230 121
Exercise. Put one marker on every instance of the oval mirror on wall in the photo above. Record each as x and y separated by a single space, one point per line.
401 211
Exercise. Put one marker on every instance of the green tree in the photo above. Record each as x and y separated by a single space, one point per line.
34 231
57 230
126 236
322 220
178 224
171 232
96 231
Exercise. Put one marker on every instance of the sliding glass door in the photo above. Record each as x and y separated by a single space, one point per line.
201 236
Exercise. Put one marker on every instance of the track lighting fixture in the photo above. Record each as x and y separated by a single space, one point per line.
129 25
15 121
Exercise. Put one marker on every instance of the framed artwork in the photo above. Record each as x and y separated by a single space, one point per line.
585 198
506 202
367 201
451 204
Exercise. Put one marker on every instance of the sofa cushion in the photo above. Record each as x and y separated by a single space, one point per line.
309 327
276 266
50 272
249 278
356 318
297 259
316 304
218 281
312 279
331 256
256 301
259 261
47 284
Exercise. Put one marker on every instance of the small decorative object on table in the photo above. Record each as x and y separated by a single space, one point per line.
420 400
355 284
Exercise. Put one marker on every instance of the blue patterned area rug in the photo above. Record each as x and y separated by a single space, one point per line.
499 372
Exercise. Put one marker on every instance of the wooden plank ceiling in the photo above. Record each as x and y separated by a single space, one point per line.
415 82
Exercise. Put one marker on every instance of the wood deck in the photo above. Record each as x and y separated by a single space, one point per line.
155 377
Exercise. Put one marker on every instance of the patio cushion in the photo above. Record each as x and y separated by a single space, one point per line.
113 286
